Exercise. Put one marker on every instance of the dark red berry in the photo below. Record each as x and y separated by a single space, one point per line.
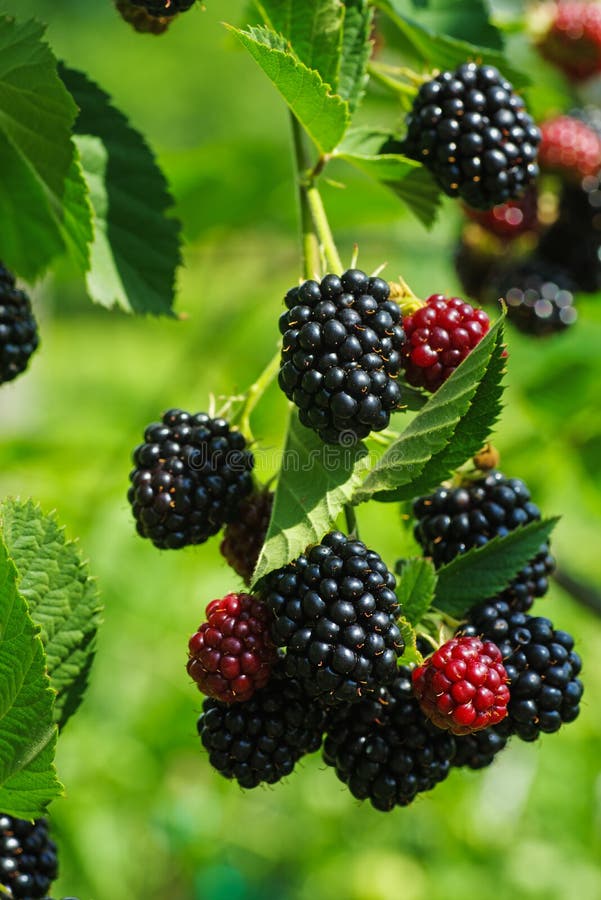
231 654
439 336
572 40
512 219
244 536
462 687
570 146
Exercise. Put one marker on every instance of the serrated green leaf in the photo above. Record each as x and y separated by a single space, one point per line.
28 779
356 51
314 30
135 253
61 595
411 655
468 20
416 583
315 482
484 572
431 431
43 203
407 178
323 115
440 51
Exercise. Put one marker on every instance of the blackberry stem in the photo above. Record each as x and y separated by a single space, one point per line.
351 520
322 227
253 396
377 72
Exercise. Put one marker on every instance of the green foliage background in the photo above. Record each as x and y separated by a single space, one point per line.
145 817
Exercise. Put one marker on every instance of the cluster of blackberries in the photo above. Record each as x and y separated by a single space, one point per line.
18 328
28 860
474 134
453 520
341 355
192 472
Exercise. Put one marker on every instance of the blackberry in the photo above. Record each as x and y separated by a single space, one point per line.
231 654
342 339
572 38
476 751
164 8
335 613
140 20
28 861
18 328
453 520
474 134
569 146
385 749
462 686
574 240
439 337
541 664
510 220
244 536
192 472
539 296
263 738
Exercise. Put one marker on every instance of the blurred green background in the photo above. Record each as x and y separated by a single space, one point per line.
145 818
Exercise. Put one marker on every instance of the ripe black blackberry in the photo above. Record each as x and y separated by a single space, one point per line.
261 739
192 472
453 520
541 663
474 134
18 328
244 536
539 296
335 613
478 750
28 862
164 8
385 749
574 240
341 355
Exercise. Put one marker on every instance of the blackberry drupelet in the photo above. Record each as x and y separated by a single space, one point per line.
263 738
28 862
476 751
543 668
385 749
335 613
231 654
244 536
453 520
192 472
539 296
18 328
341 347
474 134
439 337
164 8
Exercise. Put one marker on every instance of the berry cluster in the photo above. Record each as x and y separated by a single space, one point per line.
474 134
572 38
192 472
28 861
243 537
18 328
439 337
452 520
539 296
342 341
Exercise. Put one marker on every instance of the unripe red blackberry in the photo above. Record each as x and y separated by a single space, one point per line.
335 613
462 686
164 8
192 472
541 664
570 147
263 738
474 134
341 346
539 296
572 40
439 337
453 520
28 861
476 751
231 654
18 328
385 749
244 536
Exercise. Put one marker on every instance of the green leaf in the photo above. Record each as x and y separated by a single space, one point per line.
411 655
315 482
28 779
314 30
43 203
356 51
468 20
62 598
415 588
323 115
407 178
439 51
484 572
419 455
135 252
